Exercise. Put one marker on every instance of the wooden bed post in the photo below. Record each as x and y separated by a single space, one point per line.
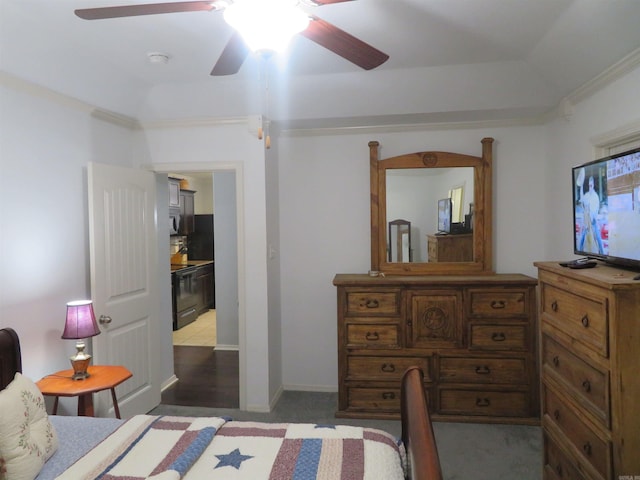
417 431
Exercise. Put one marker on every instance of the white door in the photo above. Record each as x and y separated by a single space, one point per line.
124 288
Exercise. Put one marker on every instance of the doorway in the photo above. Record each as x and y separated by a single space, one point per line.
207 350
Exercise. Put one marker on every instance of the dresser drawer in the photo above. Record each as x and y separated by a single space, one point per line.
384 368
588 385
499 336
582 318
507 371
432 251
591 448
373 335
368 398
483 403
556 464
372 302
497 303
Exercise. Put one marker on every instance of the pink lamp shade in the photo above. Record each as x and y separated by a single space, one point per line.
81 321
80 324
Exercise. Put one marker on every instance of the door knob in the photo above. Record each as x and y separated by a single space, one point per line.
104 319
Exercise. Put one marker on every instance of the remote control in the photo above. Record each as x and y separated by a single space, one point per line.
587 264
579 261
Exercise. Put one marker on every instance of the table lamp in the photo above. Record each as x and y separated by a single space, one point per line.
80 324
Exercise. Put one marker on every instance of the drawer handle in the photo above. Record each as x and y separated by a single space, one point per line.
585 321
483 370
388 367
498 304
554 305
556 361
372 336
498 337
586 448
586 385
371 303
389 396
556 414
482 402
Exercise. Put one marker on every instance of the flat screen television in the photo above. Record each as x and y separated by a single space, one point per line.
444 215
606 209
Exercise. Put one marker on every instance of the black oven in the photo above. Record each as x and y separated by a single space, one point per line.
185 296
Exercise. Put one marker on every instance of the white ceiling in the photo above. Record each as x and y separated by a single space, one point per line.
450 60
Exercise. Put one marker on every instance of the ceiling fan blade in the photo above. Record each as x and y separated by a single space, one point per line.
144 9
232 57
344 44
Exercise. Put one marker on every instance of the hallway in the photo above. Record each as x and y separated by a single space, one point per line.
206 377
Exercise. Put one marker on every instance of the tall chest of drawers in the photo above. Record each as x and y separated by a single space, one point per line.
473 336
590 371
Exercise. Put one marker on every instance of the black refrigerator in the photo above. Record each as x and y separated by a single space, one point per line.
200 247
200 242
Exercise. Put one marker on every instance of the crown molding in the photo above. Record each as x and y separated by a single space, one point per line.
194 122
611 74
21 85
563 110
412 127
115 118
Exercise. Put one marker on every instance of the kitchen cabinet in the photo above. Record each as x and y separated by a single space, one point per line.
206 300
174 192
187 213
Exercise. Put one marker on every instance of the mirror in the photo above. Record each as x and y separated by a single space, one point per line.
418 239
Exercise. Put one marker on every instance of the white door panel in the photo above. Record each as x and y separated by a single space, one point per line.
122 222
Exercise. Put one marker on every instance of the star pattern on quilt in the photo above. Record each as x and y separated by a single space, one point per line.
319 425
233 459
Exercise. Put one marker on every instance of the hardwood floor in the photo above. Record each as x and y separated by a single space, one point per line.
206 378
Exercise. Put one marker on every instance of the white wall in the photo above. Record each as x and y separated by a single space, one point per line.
273 272
571 141
226 264
324 225
46 142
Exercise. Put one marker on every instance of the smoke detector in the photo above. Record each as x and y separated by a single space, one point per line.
158 57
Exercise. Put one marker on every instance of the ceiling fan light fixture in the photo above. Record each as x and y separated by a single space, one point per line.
266 25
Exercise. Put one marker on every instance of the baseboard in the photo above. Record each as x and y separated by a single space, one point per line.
168 383
232 348
275 398
311 388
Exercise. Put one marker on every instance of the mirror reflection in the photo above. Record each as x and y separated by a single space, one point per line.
400 241
423 203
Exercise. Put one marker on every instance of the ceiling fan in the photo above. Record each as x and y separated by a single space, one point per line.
236 50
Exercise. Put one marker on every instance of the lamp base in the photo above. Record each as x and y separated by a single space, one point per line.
80 363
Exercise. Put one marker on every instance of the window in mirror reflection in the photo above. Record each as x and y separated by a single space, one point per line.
456 194
412 195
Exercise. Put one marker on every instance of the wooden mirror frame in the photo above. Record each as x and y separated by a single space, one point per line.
482 220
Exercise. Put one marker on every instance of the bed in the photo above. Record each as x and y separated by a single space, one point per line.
36 445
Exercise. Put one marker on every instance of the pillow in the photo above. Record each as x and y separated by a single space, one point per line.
27 438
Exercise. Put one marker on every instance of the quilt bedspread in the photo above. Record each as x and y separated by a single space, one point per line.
191 448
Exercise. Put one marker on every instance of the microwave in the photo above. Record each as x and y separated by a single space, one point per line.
174 222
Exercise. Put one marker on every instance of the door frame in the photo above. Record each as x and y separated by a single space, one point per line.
237 167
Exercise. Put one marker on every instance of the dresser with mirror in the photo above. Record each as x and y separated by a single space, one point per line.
471 330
